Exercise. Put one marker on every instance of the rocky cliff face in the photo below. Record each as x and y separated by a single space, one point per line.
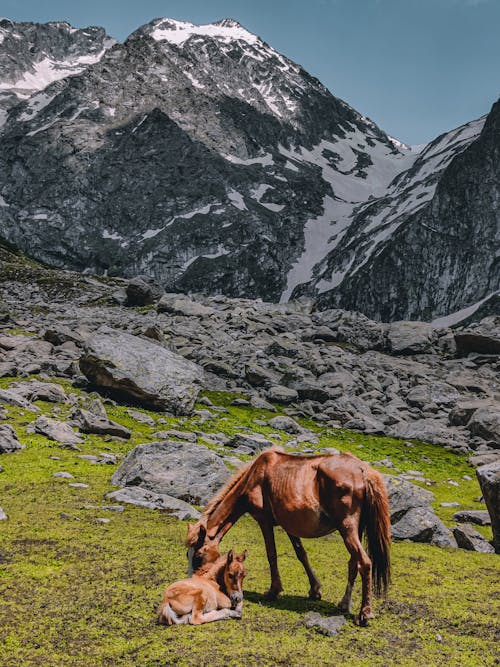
431 246
196 154
33 55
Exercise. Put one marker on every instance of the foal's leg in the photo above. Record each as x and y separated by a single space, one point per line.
268 533
198 617
362 562
300 552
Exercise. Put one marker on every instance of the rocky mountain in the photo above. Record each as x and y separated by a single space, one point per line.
202 157
430 246
197 154
34 55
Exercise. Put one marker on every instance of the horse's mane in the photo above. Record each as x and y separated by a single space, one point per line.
213 504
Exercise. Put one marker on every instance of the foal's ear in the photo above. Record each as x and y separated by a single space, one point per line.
241 557
230 557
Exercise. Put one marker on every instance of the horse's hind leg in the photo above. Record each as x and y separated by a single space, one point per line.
360 560
352 571
272 557
300 552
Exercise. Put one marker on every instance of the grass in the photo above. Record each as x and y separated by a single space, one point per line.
78 592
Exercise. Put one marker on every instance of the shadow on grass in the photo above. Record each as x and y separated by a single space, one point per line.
296 603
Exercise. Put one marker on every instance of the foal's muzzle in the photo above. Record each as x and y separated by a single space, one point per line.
236 597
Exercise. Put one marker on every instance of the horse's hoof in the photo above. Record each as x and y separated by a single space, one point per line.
315 595
363 618
271 595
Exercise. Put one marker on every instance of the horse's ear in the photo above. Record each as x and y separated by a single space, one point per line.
242 556
230 557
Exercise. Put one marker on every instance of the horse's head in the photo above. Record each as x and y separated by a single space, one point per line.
201 549
234 573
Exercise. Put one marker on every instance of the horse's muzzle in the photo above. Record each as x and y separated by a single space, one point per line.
235 597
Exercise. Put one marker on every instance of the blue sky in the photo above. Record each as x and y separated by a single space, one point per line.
416 67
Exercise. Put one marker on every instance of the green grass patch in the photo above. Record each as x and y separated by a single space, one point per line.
77 592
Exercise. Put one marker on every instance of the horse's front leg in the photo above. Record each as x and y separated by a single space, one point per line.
272 557
300 552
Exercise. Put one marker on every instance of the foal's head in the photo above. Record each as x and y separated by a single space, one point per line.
201 550
233 575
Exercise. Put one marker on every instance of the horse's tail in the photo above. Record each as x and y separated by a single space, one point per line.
376 520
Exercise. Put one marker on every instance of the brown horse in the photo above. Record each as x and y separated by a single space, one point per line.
309 496
213 593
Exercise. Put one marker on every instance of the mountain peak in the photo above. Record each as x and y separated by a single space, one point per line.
178 32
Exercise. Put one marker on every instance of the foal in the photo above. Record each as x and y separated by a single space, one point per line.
213 593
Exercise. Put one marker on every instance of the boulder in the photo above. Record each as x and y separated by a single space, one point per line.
482 338
411 337
253 441
178 304
462 412
480 517
60 334
40 391
135 495
281 394
141 371
485 423
351 327
56 430
412 516
9 441
439 393
88 422
282 423
489 481
186 471
143 291
430 430
468 538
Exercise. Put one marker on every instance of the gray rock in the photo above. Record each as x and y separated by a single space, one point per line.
489 481
56 430
286 424
468 538
143 291
429 430
280 394
189 436
462 412
136 495
3 516
480 517
325 625
89 422
255 442
261 404
411 337
412 516
176 304
141 371
141 417
9 441
189 472
439 393
485 423
63 475
61 334
40 391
